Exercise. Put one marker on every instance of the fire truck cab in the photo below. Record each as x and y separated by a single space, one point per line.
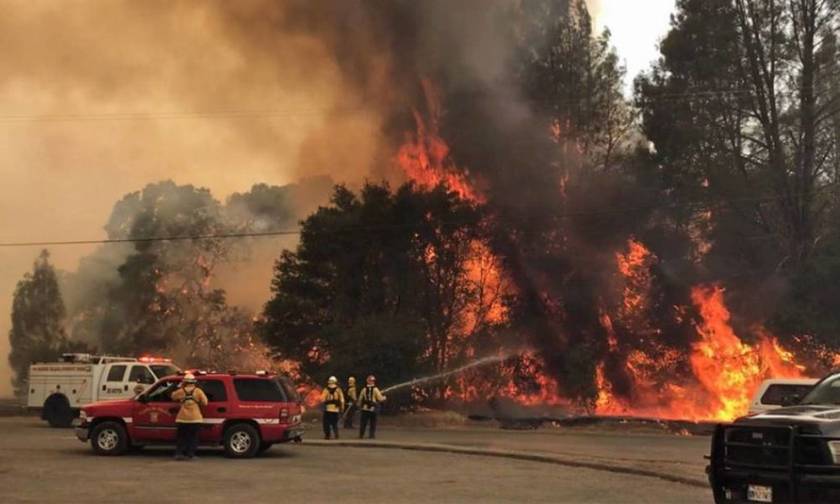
246 414
59 389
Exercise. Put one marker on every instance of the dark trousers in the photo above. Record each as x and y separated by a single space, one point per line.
187 439
348 416
330 423
367 418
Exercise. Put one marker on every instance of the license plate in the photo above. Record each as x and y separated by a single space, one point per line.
758 493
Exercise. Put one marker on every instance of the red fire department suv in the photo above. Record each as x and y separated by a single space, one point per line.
246 413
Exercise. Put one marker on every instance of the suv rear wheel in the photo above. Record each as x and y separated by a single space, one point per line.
109 438
242 441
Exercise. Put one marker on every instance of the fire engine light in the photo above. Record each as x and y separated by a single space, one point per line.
262 372
147 359
834 448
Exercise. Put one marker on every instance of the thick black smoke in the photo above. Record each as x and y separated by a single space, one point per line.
556 229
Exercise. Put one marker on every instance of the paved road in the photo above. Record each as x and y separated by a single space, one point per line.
39 464
681 456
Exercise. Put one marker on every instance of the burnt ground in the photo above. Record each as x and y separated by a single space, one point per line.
39 464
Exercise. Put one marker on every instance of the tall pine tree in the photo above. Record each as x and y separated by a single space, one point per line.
38 312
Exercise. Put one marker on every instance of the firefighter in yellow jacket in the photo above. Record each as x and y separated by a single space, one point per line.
352 397
369 400
189 417
333 399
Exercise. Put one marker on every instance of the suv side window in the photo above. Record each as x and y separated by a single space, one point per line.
116 373
214 390
256 389
141 374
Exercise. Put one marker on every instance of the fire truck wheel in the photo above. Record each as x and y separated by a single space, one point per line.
241 441
57 411
109 438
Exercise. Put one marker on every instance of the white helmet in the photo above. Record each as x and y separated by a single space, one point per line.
333 380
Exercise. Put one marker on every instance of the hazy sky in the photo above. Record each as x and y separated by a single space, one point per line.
636 26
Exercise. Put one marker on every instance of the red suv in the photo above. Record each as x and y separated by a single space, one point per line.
246 413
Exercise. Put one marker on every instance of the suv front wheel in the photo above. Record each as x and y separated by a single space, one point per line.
109 438
242 441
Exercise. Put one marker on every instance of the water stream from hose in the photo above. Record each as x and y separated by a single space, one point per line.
426 379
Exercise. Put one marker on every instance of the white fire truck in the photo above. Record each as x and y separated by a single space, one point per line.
59 389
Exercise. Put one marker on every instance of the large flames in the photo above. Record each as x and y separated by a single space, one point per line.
424 157
725 370
713 379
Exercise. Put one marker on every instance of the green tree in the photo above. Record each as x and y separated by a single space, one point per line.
379 275
573 77
38 312
742 109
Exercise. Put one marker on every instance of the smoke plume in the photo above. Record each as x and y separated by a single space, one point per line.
101 98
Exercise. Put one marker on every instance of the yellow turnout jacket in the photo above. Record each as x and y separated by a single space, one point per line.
333 400
369 398
192 399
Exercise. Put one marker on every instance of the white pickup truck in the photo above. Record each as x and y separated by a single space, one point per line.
59 389
777 393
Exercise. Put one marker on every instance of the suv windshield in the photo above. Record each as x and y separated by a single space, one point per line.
825 392
161 392
162 370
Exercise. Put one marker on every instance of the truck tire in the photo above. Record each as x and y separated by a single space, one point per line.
57 411
109 438
242 441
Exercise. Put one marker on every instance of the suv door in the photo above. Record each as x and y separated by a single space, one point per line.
154 414
216 410
114 384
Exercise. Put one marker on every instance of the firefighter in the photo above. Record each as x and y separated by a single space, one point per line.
369 400
333 400
189 417
352 396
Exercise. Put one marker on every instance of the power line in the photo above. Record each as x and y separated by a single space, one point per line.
151 239
695 206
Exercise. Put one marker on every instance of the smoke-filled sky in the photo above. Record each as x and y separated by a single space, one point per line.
100 97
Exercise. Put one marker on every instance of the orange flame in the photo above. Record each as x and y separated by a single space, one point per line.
727 368
424 156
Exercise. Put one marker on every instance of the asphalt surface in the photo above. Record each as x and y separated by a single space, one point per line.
679 456
39 464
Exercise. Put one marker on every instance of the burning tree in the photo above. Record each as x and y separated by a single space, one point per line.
384 282
153 295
